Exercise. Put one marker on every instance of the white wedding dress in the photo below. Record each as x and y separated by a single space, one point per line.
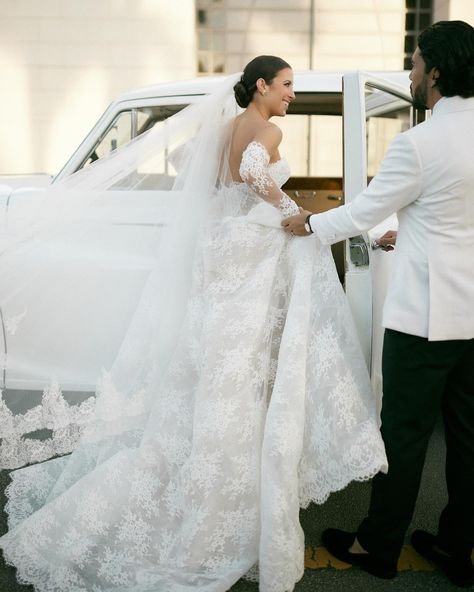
265 406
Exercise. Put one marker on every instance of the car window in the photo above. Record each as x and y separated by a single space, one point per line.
387 115
312 144
127 125
119 133
312 135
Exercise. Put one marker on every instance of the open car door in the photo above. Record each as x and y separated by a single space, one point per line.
374 111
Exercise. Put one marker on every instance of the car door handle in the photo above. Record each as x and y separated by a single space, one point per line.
359 251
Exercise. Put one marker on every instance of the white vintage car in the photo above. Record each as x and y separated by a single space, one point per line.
336 133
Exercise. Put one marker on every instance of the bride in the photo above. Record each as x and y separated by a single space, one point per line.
239 394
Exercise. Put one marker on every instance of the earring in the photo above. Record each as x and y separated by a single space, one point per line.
264 93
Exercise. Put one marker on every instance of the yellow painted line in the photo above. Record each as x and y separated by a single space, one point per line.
319 558
410 560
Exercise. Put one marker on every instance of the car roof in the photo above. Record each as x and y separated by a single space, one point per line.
305 81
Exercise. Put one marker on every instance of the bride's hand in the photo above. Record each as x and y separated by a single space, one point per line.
295 224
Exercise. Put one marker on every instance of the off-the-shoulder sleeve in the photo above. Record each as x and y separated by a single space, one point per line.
254 172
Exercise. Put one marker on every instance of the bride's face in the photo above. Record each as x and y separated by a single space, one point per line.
280 92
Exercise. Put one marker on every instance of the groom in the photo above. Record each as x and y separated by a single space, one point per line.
427 176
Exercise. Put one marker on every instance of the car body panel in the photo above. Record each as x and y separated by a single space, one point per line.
135 218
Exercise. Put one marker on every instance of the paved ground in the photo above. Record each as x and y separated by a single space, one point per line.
343 509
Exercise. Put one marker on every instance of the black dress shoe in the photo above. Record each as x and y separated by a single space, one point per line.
338 543
458 568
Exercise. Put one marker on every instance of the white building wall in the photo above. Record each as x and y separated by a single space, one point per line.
63 61
450 10
359 34
364 34
275 27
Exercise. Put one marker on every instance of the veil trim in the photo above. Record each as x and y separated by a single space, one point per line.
193 145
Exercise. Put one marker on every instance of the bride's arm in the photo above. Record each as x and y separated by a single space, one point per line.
253 170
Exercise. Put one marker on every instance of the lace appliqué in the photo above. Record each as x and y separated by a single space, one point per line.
254 170
287 206
265 406
66 423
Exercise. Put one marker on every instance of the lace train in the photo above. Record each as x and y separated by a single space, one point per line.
266 407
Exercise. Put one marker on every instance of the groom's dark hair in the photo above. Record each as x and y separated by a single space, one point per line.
264 66
449 47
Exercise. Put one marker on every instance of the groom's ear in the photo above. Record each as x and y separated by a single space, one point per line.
434 75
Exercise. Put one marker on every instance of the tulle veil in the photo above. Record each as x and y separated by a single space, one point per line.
194 143
237 396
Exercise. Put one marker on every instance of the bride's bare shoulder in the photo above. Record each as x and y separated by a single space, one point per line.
255 129
247 130
268 134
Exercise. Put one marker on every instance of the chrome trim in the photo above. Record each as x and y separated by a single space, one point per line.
4 369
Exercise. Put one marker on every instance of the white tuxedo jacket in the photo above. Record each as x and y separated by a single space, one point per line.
427 177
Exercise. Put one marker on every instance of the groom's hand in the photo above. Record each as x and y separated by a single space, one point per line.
295 224
387 241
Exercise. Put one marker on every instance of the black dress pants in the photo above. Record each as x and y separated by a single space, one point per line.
420 377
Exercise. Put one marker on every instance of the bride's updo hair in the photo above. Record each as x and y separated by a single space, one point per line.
264 66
